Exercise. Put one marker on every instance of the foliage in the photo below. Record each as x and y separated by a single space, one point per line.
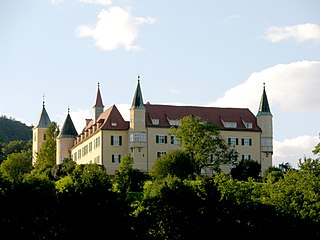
175 163
246 169
201 140
316 149
17 165
127 179
11 130
59 171
15 146
46 157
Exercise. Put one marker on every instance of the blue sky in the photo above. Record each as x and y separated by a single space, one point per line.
205 52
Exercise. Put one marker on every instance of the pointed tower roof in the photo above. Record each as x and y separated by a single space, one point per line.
44 120
98 98
137 102
264 108
68 130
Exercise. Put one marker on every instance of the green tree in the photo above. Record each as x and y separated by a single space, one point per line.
316 149
175 163
46 157
246 169
17 165
203 142
128 179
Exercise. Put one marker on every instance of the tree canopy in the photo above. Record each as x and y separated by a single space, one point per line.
203 142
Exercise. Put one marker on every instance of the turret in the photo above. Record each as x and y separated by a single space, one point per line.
39 132
65 139
98 107
264 121
138 132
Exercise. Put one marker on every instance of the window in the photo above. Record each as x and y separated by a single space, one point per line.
161 139
229 124
248 125
174 122
90 147
96 160
85 150
138 137
155 121
96 142
79 153
44 137
266 142
233 141
75 156
116 140
114 124
160 154
246 157
174 140
246 142
116 158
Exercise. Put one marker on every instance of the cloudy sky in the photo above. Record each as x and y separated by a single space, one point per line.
206 52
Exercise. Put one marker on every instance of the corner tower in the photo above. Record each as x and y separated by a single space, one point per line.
138 131
264 121
65 140
98 107
39 132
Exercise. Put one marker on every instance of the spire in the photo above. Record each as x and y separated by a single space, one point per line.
98 98
44 120
68 129
137 102
98 107
264 108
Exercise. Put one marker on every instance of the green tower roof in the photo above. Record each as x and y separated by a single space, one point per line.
137 102
44 120
264 108
68 129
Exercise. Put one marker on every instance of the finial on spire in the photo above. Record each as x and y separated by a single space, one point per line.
98 85
138 78
43 100
68 109
264 84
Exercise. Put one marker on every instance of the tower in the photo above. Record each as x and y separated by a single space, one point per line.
39 132
65 139
138 131
98 107
264 121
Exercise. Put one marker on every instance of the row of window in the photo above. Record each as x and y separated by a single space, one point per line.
86 149
244 141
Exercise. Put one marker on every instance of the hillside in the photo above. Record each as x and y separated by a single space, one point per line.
11 129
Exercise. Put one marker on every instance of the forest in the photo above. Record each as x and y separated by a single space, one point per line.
172 201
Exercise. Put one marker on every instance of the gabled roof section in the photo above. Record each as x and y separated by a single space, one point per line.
137 102
44 120
111 119
264 108
217 116
98 98
68 129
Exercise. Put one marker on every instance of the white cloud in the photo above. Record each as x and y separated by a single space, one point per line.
56 1
78 118
291 87
291 150
124 109
102 2
300 33
115 28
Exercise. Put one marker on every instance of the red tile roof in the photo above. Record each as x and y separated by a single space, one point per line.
111 119
215 115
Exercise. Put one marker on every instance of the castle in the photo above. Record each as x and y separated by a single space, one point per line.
108 137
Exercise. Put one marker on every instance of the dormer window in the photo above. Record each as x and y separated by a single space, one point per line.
229 124
155 121
114 124
174 122
247 124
